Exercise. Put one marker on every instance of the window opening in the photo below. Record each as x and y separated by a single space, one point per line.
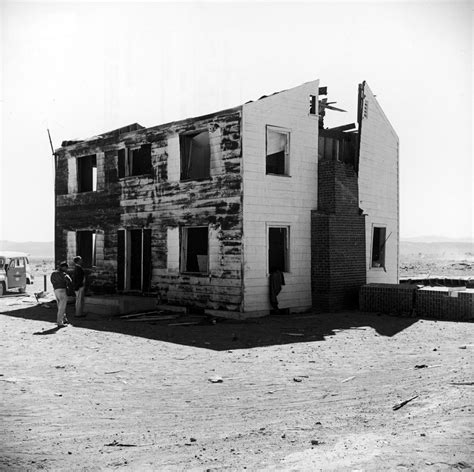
378 247
312 105
86 247
195 249
278 249
134 161
195 155
277 153
87 173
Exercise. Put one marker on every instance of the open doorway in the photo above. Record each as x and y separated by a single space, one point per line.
134 260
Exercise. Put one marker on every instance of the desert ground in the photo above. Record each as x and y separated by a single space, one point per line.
301 393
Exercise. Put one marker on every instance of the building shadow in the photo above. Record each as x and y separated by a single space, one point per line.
224 334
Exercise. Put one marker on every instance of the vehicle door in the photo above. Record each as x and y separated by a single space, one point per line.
16 274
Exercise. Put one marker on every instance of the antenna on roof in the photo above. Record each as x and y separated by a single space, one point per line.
51 143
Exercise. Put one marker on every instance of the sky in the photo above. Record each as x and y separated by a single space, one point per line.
80 69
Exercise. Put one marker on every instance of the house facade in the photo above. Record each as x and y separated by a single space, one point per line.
197 212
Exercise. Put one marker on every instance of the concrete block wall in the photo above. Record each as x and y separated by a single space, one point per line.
443 303
278 199
388 298
378 185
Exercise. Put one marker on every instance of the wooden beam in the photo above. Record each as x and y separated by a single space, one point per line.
343 127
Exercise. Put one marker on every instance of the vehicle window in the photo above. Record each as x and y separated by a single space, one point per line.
12 264
2 263
20 262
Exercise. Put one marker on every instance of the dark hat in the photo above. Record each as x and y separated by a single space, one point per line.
63 264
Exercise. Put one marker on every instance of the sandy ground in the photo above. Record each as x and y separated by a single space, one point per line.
312 392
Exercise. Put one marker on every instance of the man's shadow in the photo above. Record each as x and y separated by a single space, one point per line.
48 331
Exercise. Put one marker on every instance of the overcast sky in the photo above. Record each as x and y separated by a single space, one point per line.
80 69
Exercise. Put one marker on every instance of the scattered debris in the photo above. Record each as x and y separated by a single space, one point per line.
421 366
59 366
293 334
462 347
216 379
403 403
59 394
348 378
116 443
462 383
193 439
297 379
315 442
113 372
187 323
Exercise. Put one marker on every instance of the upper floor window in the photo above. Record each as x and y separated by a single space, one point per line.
277 151
87 173
134 161
195 155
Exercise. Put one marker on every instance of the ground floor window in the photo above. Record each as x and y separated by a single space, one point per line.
195 249
378 246
86 247
278 248
134 259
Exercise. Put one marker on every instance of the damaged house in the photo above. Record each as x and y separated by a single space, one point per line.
196 212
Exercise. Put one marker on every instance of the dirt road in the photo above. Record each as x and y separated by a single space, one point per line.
312 392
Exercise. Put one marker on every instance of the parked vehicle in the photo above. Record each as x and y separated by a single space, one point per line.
15 271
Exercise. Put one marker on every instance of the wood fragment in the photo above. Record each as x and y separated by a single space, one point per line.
293 334
189 323
403 403
347 380
462 383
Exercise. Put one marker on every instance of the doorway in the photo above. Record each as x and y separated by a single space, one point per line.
134 260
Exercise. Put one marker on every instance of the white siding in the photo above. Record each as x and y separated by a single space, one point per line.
71 246
100 157
72 175
174 167
173 249
378 186
279 200
99 248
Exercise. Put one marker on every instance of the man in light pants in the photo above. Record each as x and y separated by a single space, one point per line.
60 280
78 281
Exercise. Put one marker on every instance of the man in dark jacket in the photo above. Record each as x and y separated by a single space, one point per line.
60 281
78 283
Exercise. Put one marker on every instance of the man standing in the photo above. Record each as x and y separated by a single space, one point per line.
60 280
78 283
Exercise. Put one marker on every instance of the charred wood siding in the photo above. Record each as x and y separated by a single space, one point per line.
154 201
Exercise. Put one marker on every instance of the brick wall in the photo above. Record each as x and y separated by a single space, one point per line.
404 299
337 239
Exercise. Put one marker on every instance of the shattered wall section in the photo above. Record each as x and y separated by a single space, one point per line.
161 202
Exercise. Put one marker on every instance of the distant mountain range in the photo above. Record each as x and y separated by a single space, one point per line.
35 249
429 246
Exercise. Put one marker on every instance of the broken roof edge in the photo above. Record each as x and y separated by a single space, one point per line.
304 84
151 128
138 127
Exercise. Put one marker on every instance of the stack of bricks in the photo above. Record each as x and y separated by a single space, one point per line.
409 300
388 298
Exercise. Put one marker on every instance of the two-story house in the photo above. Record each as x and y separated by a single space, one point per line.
197 212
